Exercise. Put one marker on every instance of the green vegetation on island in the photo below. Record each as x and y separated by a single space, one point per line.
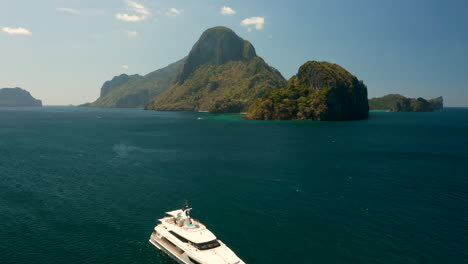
399 103
222 73
17 97
319 91
135 91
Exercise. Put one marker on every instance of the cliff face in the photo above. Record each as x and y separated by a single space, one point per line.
319 91
437 103
17 97
399 103
222 73
132 91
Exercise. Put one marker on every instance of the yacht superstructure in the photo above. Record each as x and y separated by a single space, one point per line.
188 241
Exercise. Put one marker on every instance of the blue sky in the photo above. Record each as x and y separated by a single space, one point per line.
63 50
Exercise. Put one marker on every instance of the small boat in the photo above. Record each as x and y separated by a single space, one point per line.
188 241
200 118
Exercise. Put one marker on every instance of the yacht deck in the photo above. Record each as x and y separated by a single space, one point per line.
195 226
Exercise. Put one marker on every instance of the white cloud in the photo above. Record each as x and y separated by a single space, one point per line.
16 31
138 8
174 12
68 10
142 12
125 67
258 22
226 11
130 33
129 18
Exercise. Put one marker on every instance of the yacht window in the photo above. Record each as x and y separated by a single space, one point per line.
181 238
172 245
207 245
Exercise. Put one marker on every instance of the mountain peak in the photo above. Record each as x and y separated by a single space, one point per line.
216 46
222 73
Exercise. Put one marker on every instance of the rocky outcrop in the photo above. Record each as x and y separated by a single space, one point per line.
437 103
319 91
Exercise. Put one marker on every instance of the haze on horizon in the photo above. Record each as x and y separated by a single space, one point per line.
63 50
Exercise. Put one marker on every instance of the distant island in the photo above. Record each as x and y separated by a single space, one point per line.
17 97
399 103
319 91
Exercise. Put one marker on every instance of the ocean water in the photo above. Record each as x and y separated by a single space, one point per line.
82 185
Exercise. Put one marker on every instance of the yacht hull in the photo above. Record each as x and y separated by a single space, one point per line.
159 244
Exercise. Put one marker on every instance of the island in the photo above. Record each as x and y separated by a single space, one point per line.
400 103
222 73
321 91
10 97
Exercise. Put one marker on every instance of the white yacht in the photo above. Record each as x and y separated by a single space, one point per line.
189 242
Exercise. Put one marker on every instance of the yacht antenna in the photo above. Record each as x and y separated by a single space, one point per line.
185 205
186 209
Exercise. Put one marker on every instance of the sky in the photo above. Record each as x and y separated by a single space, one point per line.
62 51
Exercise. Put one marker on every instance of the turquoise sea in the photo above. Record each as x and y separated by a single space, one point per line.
83 185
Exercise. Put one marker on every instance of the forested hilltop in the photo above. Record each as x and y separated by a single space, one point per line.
319 91
399 103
